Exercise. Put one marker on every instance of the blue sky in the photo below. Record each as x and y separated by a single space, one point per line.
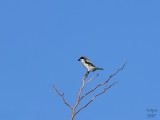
41 41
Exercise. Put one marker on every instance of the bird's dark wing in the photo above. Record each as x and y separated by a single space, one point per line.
89 62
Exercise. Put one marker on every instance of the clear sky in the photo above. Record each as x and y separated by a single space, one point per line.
41 40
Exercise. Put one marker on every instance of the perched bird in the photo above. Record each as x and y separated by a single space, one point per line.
88 64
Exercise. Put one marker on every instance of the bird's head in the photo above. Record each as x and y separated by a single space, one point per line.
82 58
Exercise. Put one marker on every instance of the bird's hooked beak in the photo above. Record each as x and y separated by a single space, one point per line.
78 60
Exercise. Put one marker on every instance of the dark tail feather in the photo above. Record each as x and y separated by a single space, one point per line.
99 68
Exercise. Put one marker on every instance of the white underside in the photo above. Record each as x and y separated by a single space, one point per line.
88 67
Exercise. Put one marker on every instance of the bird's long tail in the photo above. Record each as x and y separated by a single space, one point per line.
99 69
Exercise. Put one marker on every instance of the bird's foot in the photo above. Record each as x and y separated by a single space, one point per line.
86 74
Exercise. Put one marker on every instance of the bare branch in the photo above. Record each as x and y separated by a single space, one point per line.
119 69
105 89
62 95
73 110
91 78
106 82
83 85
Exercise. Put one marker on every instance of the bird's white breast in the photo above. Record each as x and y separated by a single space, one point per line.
87 66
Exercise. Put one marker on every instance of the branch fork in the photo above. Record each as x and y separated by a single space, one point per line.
83 85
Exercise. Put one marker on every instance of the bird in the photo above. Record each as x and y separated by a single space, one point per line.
88 64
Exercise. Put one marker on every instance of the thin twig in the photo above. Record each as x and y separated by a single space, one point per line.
91 78
105 89
73 110
106 82
62 95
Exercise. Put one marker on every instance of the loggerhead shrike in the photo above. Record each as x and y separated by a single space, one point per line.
88 64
